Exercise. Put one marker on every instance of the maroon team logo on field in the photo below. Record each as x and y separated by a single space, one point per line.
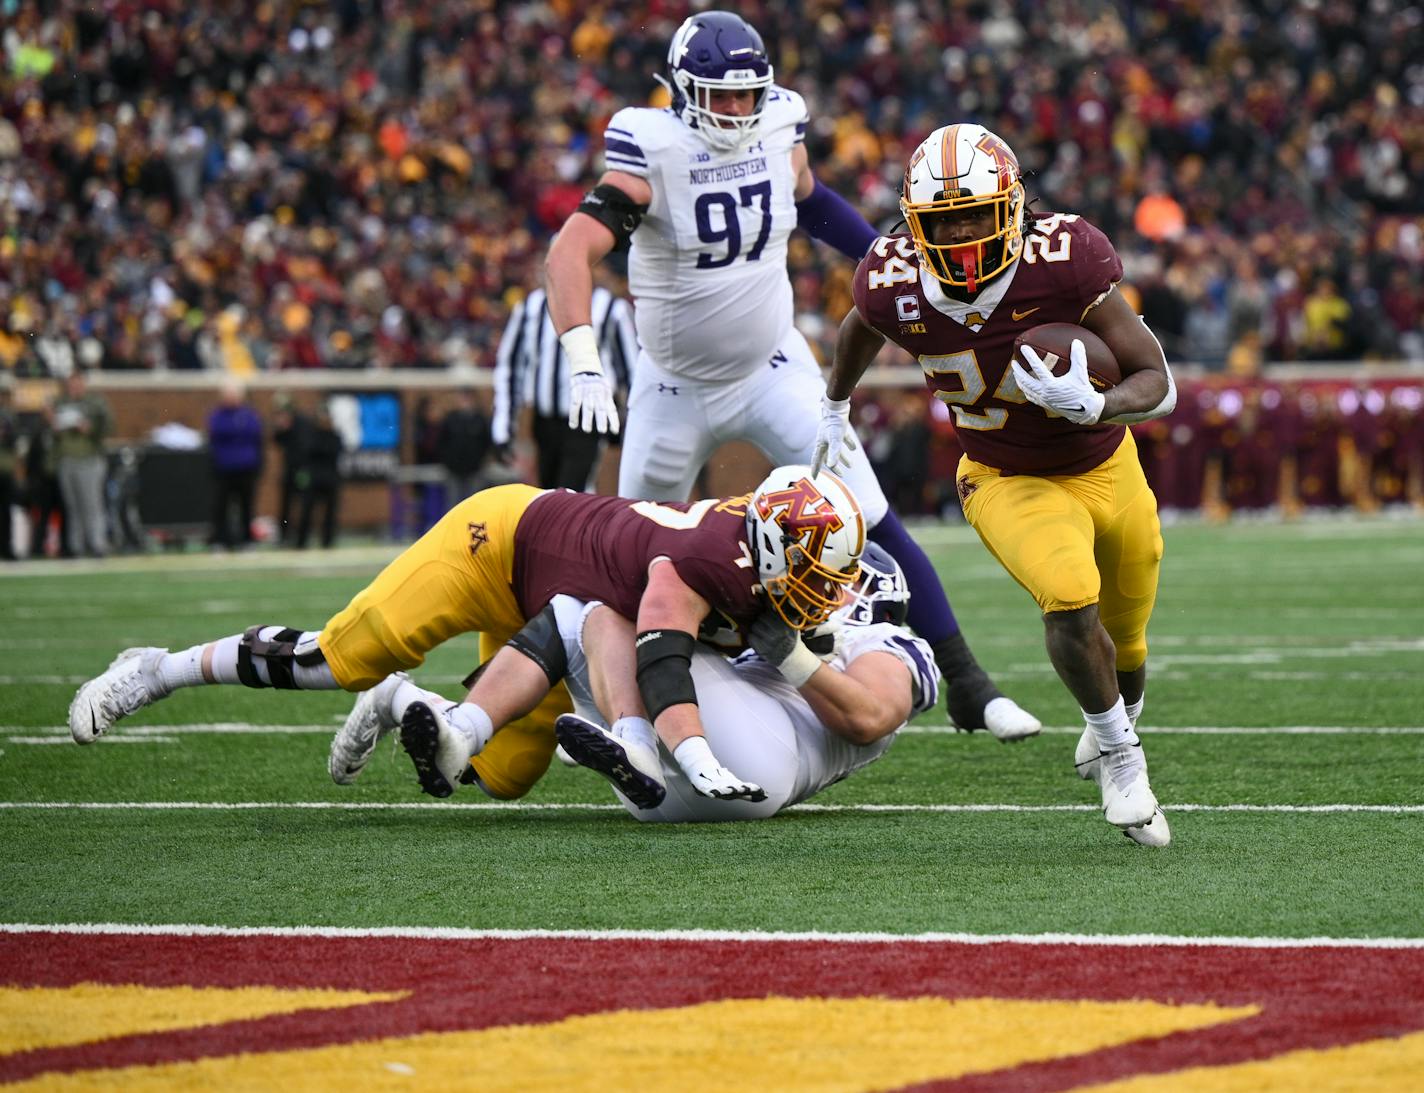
804 513
273 1010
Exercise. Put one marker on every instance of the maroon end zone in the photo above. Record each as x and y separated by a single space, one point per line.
1309 997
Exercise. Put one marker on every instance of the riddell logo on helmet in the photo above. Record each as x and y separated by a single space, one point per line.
800 511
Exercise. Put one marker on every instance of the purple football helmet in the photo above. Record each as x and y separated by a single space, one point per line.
717 51
881 594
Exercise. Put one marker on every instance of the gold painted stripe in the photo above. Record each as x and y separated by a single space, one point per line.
1381 1066
827 1045
41 1017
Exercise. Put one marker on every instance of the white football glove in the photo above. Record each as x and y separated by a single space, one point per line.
1070 395
591 405
834 438
709 777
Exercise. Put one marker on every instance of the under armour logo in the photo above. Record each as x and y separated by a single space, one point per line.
667 389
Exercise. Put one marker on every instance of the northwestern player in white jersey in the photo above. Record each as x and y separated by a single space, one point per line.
871 676
706 193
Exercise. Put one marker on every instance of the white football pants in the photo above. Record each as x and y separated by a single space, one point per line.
756 723
675 424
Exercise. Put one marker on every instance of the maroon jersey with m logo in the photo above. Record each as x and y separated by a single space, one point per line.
599 548
964 349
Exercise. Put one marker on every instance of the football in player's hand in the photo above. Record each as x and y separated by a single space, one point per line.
1054 341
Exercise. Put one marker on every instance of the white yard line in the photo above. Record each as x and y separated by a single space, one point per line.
135 734
578 806
441 933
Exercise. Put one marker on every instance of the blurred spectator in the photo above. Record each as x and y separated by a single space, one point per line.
292 433
81 423
235 452
900 454
464 446
42 494
356 185
319 480
1327 315
9 466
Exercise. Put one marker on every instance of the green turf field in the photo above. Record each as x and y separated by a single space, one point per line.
1263 635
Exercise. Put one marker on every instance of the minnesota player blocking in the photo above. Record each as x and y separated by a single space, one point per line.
792 735
707 193
492 565
1050 478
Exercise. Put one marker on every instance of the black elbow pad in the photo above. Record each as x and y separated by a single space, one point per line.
665 670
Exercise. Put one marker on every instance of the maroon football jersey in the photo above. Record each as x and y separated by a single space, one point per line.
964 349
599 548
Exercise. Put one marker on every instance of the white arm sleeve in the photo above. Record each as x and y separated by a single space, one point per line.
1162 409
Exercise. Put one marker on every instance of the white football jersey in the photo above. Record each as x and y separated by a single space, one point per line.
823 757
707 269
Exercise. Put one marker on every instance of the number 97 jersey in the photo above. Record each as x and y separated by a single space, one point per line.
707 267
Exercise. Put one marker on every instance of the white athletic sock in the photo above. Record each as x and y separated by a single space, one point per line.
636 730
1111 727
473 723
1134 709
405 692
182 669
466 718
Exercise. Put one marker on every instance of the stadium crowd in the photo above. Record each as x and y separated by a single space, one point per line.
275 184
266 185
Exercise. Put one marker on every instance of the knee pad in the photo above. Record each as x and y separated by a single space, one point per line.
542 643
281 652
668 464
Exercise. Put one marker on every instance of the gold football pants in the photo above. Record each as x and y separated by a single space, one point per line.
456 579
1074 540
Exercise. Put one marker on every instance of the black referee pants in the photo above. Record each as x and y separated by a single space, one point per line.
566 456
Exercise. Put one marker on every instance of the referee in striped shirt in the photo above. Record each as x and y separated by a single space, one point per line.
531 369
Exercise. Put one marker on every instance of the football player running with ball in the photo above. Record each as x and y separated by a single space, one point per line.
1050 478
706 194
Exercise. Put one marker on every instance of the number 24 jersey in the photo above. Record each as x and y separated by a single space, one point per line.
964 349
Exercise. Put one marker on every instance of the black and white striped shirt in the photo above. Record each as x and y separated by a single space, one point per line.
531 366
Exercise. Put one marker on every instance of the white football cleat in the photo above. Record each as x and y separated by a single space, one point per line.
366 725
1009 722
439 751
1087 761
1086 756
1128 800
129 684
631 766
1154 832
